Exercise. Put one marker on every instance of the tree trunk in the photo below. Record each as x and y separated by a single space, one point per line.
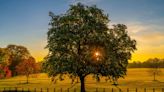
77 80
27 79
82 83
154 76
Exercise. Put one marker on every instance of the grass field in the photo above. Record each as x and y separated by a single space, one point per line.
135 78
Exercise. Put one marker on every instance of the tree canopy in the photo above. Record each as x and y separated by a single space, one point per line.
150 63
12 55
80 43
17 55
26 67
4 56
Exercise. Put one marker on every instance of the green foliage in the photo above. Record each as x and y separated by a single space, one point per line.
26 67
4 56
148 63
4 62
12 55
75 36
17 55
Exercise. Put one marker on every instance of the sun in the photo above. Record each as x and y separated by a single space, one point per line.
97 53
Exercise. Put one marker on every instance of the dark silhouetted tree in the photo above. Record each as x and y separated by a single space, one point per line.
80 43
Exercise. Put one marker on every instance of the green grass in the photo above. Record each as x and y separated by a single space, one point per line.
135 78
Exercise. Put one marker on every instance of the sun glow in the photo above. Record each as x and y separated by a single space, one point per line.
97 53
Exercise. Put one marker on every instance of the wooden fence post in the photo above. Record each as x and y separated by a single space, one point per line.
74 89
112 89
41 90
162 89
119 90
15 88
68 90
96 89
61 90
47 89
136 90
127 89
104 90
54 89
153 89
34 89
144 89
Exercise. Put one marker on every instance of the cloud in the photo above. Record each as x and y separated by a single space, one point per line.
147 34
150 40
136 27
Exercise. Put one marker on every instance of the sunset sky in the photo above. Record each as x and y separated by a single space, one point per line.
25 22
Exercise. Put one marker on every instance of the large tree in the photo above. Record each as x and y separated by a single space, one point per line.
80 43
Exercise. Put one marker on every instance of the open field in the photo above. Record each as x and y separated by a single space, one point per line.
136 78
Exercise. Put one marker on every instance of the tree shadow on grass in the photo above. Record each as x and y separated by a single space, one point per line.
158 81
15 91
25 83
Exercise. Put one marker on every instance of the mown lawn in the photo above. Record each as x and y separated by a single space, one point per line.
136 78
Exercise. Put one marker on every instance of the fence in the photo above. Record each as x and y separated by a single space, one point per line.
78 90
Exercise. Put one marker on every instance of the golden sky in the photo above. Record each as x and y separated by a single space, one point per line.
150 40
150 43
26 23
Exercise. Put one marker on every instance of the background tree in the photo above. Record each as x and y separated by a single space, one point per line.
80 43
4 63
146 64
17 55
26 67
4 56
154 68
38 67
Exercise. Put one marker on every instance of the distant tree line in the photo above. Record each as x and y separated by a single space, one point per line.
17 60
148 63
